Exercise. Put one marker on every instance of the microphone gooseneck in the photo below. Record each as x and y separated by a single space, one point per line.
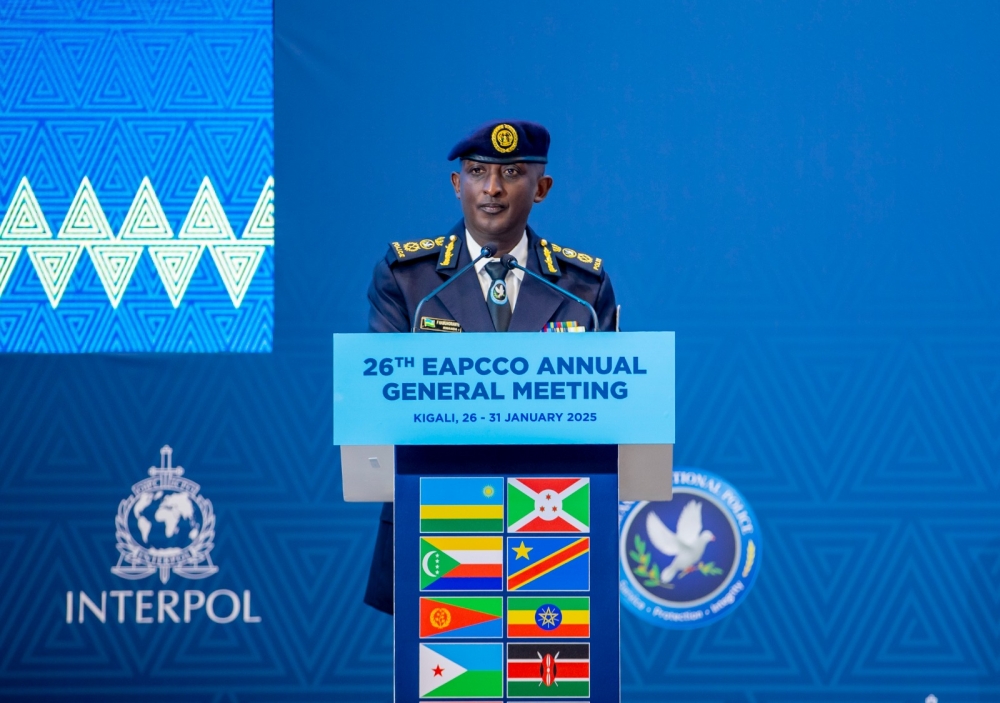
488 250
510 263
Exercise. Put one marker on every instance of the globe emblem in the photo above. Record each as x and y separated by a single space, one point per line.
165 526
165 521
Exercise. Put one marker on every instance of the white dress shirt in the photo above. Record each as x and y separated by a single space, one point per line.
513 278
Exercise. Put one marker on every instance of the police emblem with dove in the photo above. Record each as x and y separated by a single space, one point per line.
686 562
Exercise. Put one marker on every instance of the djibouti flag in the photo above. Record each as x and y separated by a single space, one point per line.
461 504
548 505
452 670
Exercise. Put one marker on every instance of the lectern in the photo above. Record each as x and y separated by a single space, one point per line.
505 456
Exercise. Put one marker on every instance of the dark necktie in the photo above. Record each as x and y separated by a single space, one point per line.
496 297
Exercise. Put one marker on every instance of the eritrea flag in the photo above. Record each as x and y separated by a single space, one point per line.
548 670
448 618
548 616
548 505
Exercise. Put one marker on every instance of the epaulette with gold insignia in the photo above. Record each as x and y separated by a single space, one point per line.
411 251
550 254
450 250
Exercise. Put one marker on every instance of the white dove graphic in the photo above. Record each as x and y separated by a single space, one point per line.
686 546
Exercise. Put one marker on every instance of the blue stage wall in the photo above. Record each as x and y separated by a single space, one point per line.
804 192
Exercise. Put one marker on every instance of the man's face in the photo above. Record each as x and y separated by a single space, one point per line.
497 198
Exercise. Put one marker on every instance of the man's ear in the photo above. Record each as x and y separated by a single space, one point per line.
543 188
456 183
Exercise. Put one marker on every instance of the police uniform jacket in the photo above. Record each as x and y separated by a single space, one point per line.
411 270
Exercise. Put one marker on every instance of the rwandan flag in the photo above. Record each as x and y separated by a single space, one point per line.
548 616
548 505
461 563
548 670
451 670
461 504
454 618
548 563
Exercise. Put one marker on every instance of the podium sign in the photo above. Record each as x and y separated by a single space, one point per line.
506 500
514 388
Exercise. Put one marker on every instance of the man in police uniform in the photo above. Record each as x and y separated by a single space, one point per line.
502 175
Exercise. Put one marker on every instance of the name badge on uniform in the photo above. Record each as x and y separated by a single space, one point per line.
437 324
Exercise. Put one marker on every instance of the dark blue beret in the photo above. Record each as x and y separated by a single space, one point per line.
504 143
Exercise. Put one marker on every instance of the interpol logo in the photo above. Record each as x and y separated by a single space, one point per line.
165 526
689 561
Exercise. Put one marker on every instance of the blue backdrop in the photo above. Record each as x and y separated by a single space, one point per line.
804 192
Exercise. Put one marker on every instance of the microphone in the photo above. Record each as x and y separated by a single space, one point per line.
510 263
488 250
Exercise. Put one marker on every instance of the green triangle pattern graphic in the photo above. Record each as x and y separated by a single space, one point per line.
145 218
261 222
54 265
237 263
176 264
24 218
115 264
206 218
8 260
85 219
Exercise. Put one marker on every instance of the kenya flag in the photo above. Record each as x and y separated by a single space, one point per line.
548 670
548 505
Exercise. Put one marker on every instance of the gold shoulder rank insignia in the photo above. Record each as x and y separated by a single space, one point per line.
411 251
450 250
547 260
572 256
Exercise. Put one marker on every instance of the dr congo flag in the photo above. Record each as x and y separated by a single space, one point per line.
548 563
548 670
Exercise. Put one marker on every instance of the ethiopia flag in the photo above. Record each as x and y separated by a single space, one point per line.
548 670
548 617
548 505
548 563
450 670
447 618
461 504
461 563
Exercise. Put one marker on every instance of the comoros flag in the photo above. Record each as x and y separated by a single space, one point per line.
548 616
453 670
460 617
548 505
548 670
461 563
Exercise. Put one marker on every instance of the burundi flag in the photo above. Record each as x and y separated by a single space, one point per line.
451 670
452 618
461 504
548 670
461 563
548 563
548 616
548 505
